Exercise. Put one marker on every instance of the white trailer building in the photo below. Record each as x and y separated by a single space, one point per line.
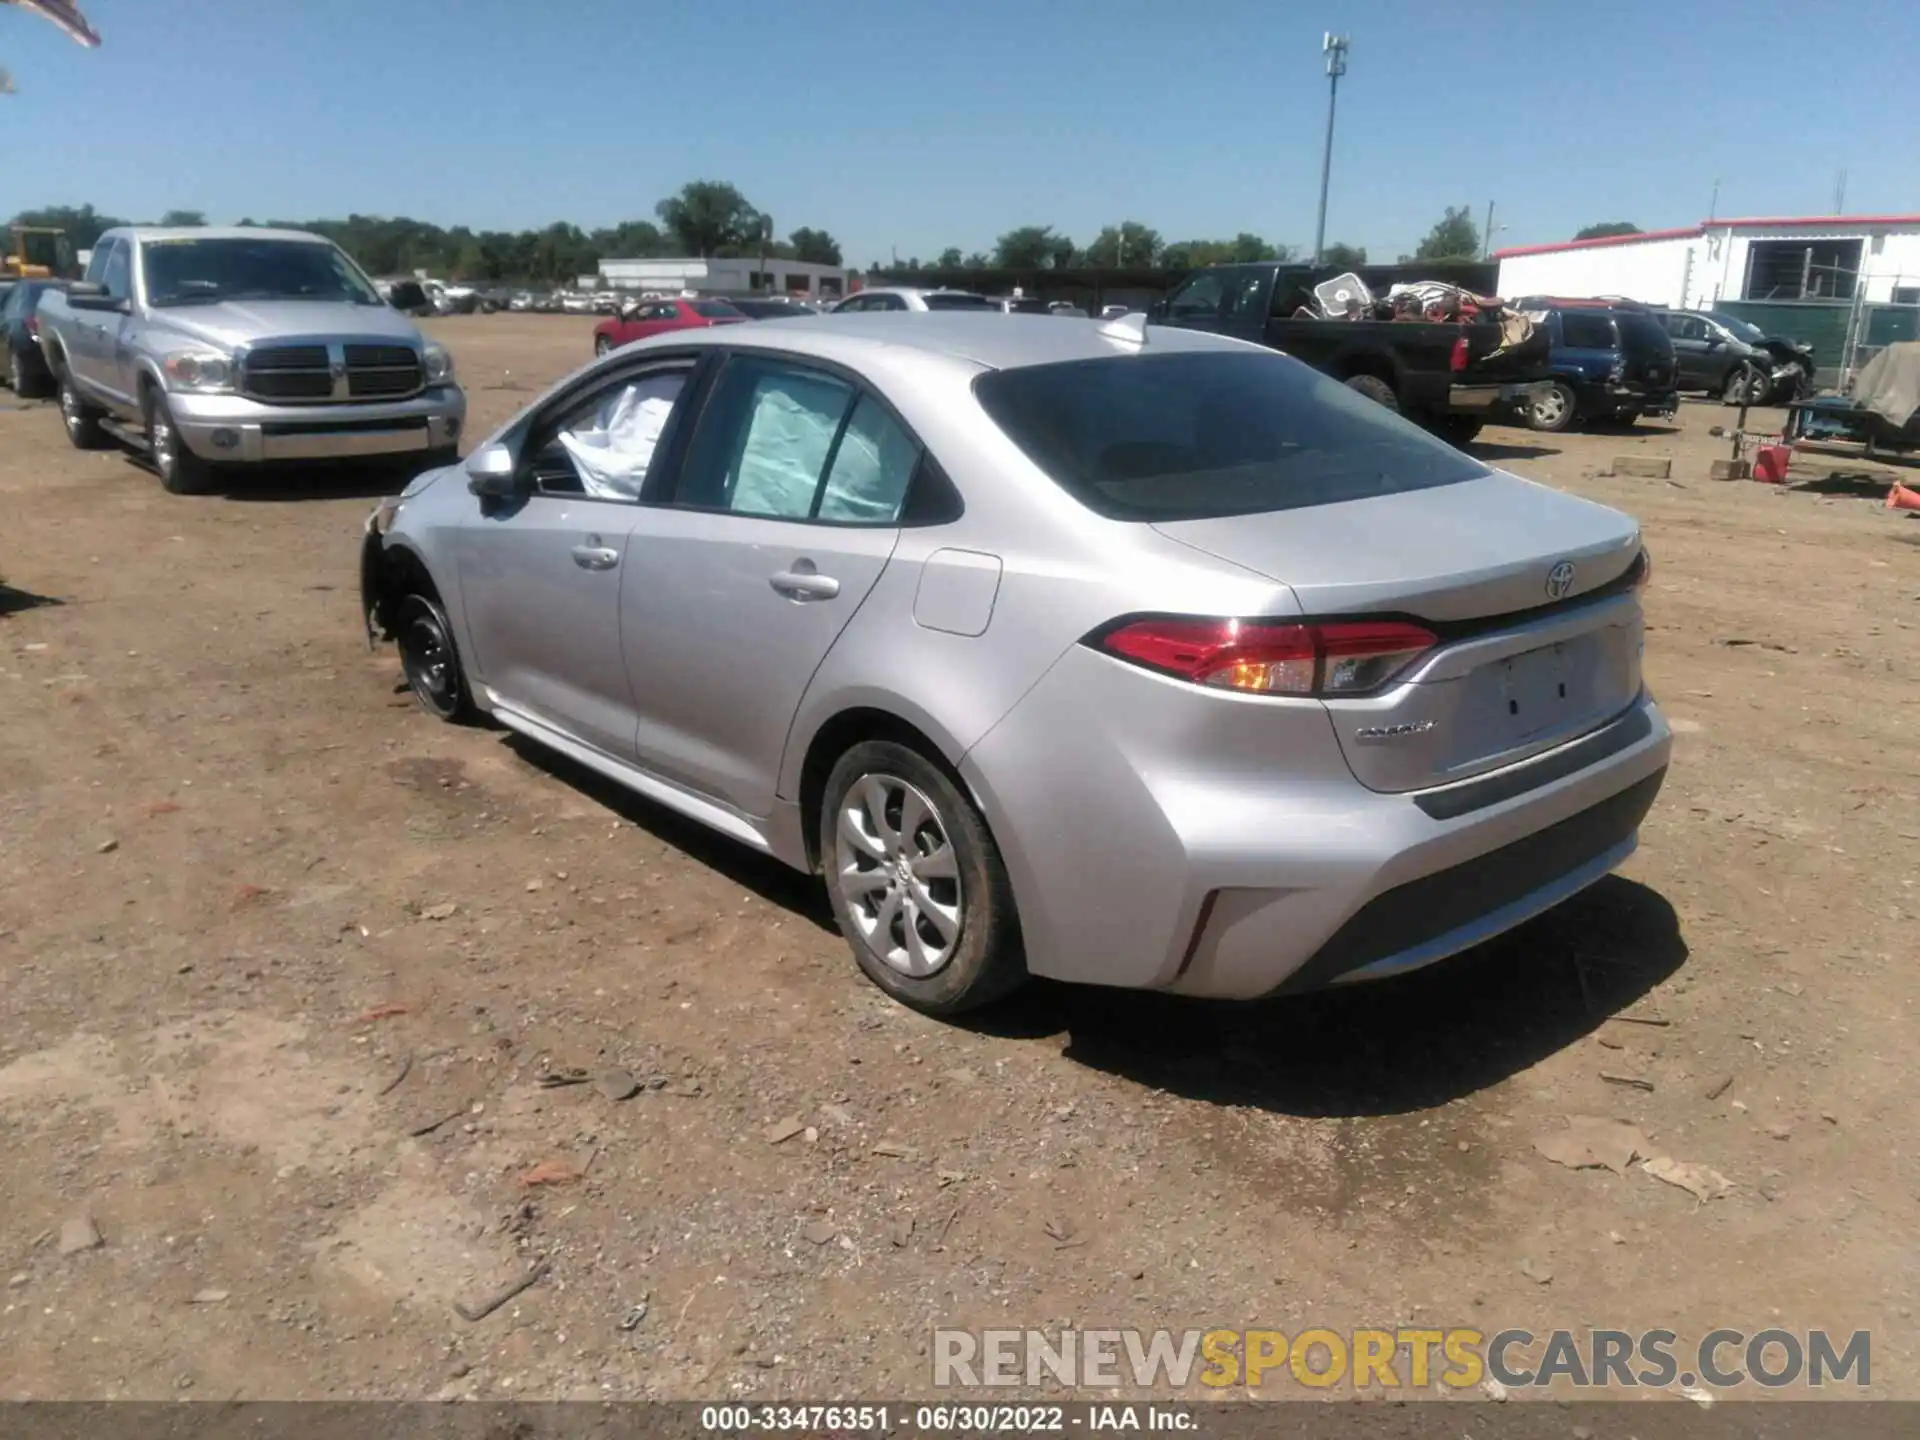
1819 258
733 276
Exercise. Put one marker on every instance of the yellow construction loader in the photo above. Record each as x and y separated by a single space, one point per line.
38 252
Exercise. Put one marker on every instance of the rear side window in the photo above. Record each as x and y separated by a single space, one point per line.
1195 435
786 442
1586 330
959 302
1643 335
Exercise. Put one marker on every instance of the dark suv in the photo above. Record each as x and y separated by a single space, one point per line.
1610 362
1724 355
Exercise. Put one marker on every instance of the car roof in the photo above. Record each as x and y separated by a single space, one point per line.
990 339
212 232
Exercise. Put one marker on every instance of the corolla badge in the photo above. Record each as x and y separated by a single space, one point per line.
1560 580
1372 733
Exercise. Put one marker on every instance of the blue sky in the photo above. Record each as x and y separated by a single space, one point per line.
914 126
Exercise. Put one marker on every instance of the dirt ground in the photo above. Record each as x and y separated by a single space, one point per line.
284 961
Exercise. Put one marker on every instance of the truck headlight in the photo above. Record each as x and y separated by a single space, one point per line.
205 372
439 363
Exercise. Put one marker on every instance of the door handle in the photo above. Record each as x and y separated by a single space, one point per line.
804 585
595 557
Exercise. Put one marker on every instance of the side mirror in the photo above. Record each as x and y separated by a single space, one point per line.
1714 342
91 295
407 295
491 473
629 309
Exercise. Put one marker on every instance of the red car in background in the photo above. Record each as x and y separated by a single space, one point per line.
656 317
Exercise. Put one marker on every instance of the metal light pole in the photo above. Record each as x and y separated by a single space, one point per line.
1335 48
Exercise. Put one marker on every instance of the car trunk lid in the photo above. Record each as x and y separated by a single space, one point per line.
1527 590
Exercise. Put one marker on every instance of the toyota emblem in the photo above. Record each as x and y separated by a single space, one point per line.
1560 580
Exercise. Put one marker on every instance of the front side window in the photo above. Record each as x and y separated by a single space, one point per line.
1190 435
716 310
97 262
959 302
188 271
118 276
603 446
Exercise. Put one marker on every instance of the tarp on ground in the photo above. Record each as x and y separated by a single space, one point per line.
1890 384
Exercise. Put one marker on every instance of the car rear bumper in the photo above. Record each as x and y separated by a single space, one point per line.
1493 401
232 430
1254 862
1640 400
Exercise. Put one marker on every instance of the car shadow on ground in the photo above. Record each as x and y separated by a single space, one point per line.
1490 450
778 884
278 484
13 601
1384 1048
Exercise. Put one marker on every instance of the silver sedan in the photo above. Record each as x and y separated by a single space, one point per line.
1117 654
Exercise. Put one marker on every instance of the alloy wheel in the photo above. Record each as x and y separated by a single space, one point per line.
896 870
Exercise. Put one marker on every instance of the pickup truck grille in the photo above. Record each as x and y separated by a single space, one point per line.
382 371
307 374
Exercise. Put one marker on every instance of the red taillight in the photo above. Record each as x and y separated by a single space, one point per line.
1344 657
1458 361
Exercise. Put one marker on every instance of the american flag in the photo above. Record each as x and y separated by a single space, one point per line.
65 14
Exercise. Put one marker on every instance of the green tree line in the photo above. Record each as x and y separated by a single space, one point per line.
705 218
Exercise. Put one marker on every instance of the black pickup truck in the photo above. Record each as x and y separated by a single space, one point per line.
1417 367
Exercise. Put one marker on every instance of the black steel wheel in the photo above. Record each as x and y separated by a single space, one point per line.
430 660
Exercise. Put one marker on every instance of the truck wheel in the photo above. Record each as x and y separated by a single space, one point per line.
1376 390
1554 409
81 419
27 384
180 470
1457 429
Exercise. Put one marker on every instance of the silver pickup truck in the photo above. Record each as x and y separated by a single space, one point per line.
241 346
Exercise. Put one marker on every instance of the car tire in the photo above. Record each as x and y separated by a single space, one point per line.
430 660
1743 380
898 906
1458 430
1556 408
1376 390
181 471
602 347
27 384
82 421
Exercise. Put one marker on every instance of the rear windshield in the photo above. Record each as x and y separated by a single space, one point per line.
715 310
1587 330
959 302
1642 335
1195 435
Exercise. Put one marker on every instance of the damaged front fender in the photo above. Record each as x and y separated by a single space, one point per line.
373 597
